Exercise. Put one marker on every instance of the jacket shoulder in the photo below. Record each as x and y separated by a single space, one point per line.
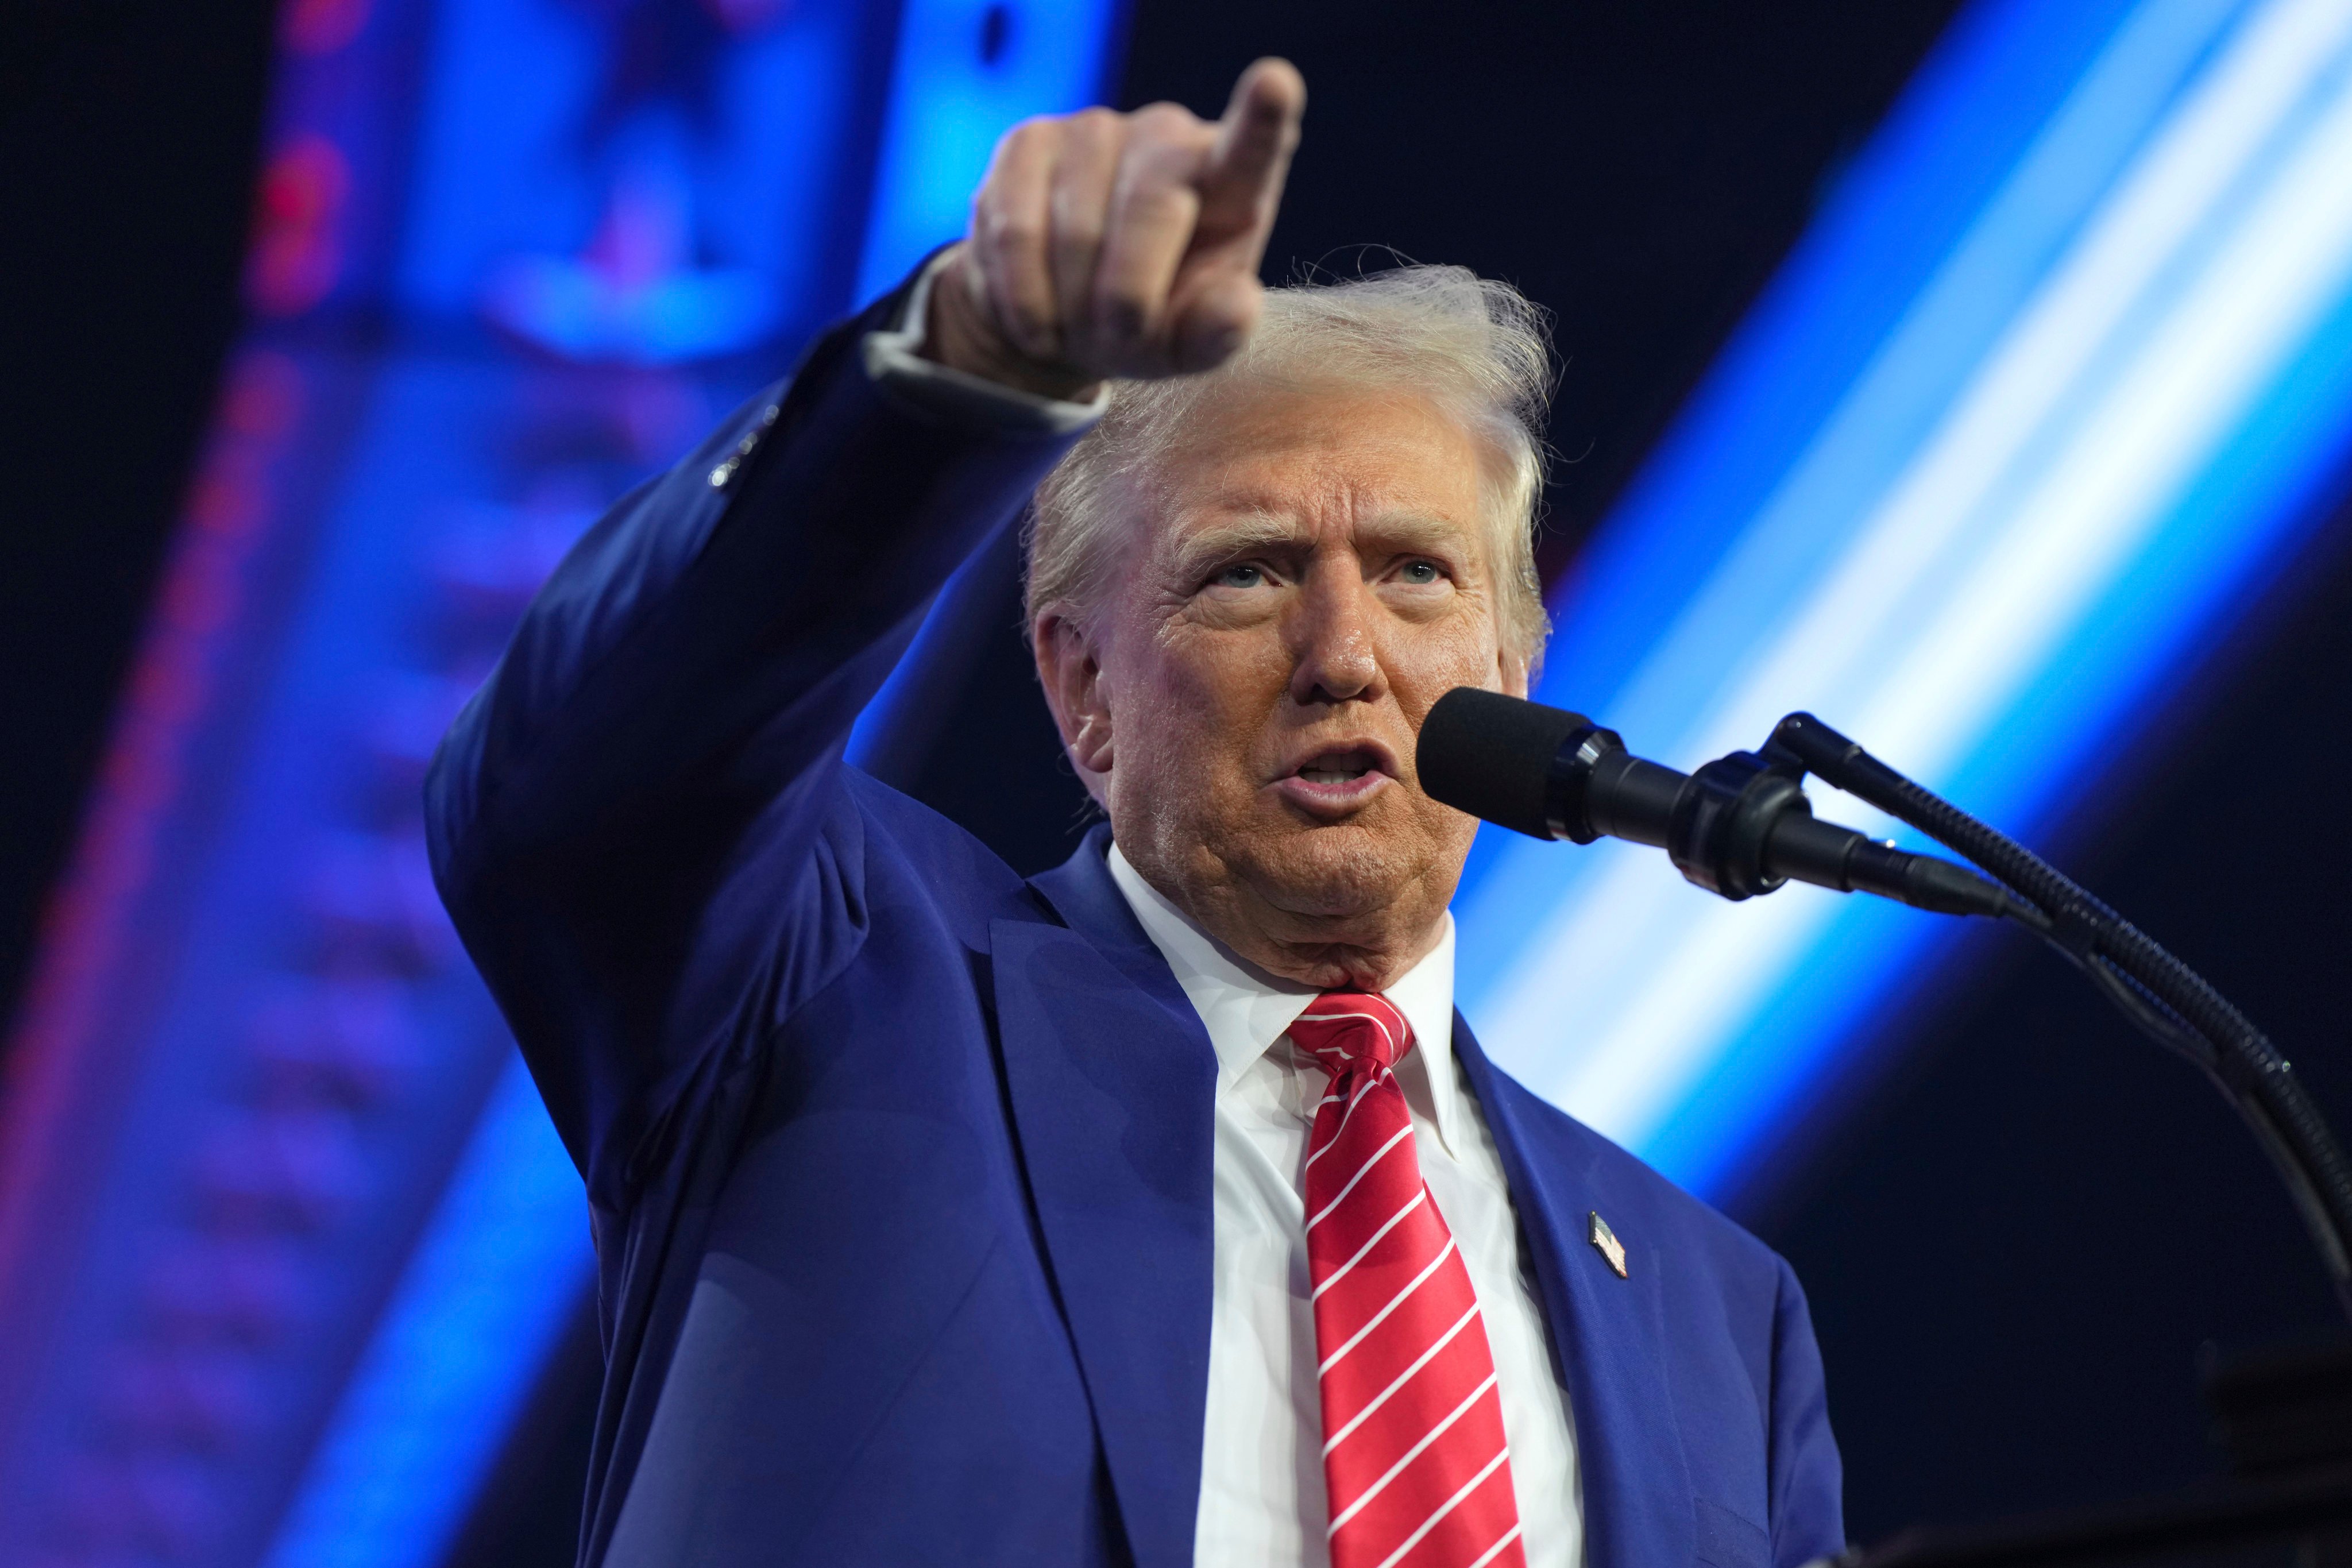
948 864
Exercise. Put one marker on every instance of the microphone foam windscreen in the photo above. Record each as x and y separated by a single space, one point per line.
1490 755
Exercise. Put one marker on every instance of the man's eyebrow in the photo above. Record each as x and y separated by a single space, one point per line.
1406 532
1222 541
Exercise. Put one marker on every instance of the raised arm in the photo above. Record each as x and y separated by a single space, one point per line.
690 672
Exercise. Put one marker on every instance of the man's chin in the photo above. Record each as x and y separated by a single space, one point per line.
1332 871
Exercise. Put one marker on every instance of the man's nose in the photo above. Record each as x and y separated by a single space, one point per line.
1335 642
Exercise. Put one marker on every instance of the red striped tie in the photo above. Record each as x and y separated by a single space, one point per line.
1413 1453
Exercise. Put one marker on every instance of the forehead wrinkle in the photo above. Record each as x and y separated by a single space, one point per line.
1423 531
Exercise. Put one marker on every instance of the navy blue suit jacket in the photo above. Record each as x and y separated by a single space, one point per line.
899 1164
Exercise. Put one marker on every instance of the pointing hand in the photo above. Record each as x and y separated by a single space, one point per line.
1118 245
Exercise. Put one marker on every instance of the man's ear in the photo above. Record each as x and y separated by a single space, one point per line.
1514 673
1070 669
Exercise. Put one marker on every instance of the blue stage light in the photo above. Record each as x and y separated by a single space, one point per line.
965 73
484 1295
505 1256
2044 397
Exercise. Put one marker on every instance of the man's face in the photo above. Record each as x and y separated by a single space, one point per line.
1309 574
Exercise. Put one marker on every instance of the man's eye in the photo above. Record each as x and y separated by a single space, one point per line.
1421 571
1241 576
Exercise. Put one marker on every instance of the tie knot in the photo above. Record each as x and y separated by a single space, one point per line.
1341 1028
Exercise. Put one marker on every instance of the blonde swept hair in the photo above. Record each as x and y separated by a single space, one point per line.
1477 348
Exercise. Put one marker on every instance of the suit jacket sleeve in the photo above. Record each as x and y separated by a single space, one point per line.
640 823
1807 1480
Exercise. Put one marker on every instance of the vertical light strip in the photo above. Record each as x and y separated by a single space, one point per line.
506 1257
421 1421
2190 287
966 72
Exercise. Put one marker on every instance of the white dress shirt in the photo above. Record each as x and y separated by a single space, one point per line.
1262 1499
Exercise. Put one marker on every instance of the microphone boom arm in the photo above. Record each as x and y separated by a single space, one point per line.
1740 826
2163 997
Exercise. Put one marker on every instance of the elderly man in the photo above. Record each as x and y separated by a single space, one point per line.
1158 1209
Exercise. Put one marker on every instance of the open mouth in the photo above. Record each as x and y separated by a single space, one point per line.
1342 777
1339 768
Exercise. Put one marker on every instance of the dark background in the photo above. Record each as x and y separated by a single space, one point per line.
2019 1238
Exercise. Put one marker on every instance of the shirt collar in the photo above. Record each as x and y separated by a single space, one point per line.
1246 1010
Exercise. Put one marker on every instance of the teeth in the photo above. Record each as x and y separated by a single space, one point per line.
1330 775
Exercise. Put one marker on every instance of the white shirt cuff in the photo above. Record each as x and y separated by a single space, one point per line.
894 358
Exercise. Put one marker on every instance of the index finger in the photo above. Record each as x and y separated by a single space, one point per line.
1255 140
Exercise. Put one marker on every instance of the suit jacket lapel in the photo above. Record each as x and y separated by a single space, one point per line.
1608 1333
1113 1084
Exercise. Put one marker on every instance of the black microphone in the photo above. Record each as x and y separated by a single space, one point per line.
1739 826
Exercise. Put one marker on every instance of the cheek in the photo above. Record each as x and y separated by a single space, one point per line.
1211 680
1191 716
1457 650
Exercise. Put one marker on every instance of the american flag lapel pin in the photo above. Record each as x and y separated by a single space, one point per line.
1604 1242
